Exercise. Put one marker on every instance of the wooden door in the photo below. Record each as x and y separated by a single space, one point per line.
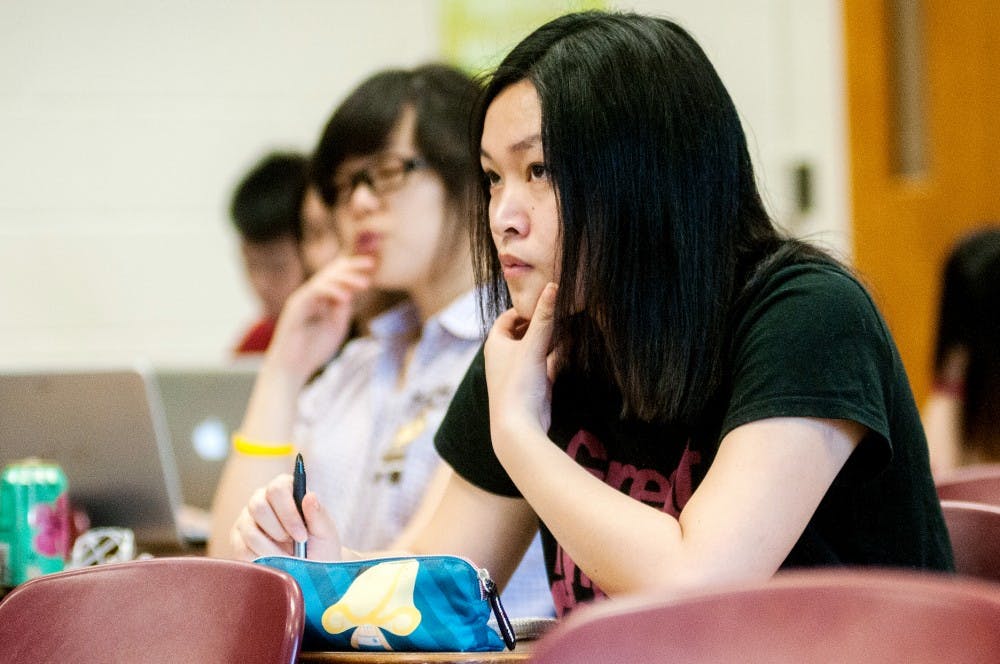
923 101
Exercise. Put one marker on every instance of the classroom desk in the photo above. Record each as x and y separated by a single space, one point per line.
522 653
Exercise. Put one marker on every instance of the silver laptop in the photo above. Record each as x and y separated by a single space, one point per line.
202 406
107 430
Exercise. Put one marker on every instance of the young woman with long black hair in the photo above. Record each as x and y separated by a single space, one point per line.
700 400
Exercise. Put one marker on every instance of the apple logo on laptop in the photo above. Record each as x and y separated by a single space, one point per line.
210 439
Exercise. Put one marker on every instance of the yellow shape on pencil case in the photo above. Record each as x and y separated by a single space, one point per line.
381 598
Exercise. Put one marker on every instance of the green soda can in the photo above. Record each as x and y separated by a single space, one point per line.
34 520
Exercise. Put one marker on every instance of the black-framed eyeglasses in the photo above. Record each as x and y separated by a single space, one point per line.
382 176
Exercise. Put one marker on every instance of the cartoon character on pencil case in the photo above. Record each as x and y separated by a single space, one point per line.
381 598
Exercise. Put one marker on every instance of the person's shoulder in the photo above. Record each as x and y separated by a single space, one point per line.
816 273
824 284
813 297
257 338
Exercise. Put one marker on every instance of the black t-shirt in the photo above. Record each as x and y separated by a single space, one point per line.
810 343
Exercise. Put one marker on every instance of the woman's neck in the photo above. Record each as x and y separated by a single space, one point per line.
441 288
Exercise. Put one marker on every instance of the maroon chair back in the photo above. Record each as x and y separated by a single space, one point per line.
844 616
159 610
974 529
978 484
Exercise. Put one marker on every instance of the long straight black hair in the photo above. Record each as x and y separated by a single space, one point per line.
661 220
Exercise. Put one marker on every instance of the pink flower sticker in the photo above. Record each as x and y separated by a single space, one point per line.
51 522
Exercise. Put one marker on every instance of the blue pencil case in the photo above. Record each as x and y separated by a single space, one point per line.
420 603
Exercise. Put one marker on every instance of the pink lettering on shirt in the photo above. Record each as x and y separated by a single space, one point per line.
647 485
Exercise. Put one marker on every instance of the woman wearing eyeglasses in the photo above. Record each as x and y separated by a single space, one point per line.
395 166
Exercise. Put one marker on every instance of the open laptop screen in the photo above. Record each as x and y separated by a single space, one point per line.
106 429
202 407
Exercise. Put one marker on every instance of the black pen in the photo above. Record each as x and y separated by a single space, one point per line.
298 492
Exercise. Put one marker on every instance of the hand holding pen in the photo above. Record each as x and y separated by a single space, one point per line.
277 523
298 492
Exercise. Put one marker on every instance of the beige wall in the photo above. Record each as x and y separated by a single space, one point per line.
124 125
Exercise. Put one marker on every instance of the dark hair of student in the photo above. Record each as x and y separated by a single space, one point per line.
969 317
661 221
267 203
442 98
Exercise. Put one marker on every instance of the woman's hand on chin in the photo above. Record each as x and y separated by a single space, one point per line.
518 376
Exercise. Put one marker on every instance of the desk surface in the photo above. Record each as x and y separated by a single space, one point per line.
522 653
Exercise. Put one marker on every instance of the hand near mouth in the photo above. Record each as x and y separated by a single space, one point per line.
518 368
316 318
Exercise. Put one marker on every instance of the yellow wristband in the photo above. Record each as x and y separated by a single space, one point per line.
259 448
